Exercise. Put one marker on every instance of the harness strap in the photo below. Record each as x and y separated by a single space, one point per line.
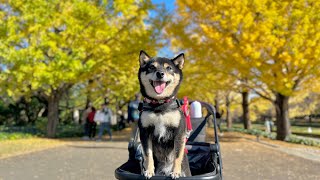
198 130
144 106
150 101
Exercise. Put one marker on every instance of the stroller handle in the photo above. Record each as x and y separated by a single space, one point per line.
212 111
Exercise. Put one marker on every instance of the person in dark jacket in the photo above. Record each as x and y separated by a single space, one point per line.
85 122
219 121
133 111
91 124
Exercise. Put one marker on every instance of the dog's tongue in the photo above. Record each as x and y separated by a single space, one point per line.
159 86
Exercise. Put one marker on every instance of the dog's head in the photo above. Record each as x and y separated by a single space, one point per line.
160 77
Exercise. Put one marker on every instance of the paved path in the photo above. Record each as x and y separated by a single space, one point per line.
81 160
242 158
247 159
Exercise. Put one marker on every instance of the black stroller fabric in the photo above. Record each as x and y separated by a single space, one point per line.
202 157
135 161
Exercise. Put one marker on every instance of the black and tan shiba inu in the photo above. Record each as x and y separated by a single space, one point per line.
162 124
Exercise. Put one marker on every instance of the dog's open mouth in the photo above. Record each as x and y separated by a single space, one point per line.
159 86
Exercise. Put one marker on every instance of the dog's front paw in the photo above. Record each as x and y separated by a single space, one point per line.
175 174
148 174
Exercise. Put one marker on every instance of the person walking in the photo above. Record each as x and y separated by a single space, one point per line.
134 114
133 109
91 124
219 121
121 124
267 126
85 121
105 115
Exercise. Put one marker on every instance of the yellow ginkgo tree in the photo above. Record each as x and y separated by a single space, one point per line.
272 46
48 46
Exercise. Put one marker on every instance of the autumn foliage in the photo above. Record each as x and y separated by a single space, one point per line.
47 47
234 49
270 47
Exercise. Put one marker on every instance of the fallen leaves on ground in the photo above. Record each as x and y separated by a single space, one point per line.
21 146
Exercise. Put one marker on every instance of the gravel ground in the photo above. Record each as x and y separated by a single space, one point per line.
243 158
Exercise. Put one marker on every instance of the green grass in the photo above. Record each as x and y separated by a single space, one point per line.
300 129
23 132
14 136
294 129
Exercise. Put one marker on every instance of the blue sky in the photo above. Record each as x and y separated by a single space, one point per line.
170 5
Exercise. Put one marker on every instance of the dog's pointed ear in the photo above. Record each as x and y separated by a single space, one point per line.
179 61
143 58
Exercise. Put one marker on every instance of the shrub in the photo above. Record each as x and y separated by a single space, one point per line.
70 130
292 138
301 140
41 124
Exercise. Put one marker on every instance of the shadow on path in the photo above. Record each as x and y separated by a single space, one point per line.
96 147
114 140
229 138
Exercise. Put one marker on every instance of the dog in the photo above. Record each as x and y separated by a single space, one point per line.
162 124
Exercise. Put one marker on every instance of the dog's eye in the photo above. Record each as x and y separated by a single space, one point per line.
152 67
169 68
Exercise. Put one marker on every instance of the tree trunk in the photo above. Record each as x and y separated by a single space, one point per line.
228 116
89 98
53 115
217 107
282 113
216 103
245 108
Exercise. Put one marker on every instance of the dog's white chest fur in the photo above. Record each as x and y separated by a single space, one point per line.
160 121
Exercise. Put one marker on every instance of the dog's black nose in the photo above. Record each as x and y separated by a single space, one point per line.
160 75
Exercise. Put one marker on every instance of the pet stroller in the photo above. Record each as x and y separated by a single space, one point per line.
204 158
